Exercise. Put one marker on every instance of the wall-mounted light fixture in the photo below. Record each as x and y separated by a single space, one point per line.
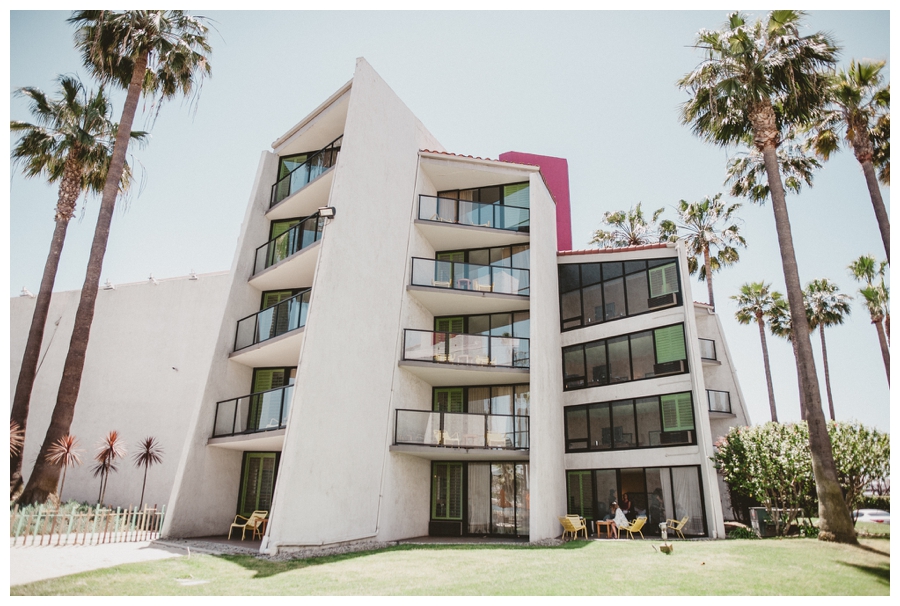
109 285
327 212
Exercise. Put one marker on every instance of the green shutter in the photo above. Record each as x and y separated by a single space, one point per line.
516 195
279 227
446 491
263 379
580 491
276 296
448 399
456 257
663 280
454 325
670 344
258 483
677 412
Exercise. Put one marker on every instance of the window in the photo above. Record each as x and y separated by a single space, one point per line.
648 422
719 401
631 357
601 292
446 491
257 482
708 349
515 324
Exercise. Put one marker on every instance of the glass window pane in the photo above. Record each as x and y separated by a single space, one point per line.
659 497
576 428
569 278
642 356
623 424
632 491
489 195
468 194
686 490
648 423
573 366
501 325
635 266
598 373
516 195
607 491
636 285
590 274
523 399
614 299
579 494
619 363
502 256
502 400
522 325
570 303
599 419
593 304
479 400
479 325
480 257
520 256
612 270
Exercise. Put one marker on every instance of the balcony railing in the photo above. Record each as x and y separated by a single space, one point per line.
300 177
468 276
451 348
293 240
254 413
273 321
464 212
461 430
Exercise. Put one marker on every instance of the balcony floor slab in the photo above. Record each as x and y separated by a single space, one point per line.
283 350
449 453
440 374
453 236
295 271
272 440
448 301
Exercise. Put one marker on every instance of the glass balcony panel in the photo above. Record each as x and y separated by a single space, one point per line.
225 412
290 242
269 410
475 213
465 349
286 407
480 214
511 217
523 433
468 349
418 427
501 431
283 317
253 413
463 430
470 276
301 176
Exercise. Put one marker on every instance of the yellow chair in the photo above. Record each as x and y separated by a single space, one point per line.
677 526
635 527
256 522
572 525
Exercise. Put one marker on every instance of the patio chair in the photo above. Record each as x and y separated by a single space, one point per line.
572 525
677 526
634 527
256 522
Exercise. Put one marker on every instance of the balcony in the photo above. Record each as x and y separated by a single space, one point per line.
272 337
257 418
472 435
306 173
443 358
447 287
456 224
288 259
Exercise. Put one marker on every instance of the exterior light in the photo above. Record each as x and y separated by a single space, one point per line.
153 280
327 212
109 285
193 275
26 293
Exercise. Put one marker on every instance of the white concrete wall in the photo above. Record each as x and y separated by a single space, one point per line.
147 359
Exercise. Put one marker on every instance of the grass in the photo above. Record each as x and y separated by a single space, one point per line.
733 567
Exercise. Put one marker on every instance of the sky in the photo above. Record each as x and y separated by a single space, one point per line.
597 88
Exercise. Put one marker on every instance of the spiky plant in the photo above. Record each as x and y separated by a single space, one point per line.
16 438
109 449
876 297
64 452
149 453
631 228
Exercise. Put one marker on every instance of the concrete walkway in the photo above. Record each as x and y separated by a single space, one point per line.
36 563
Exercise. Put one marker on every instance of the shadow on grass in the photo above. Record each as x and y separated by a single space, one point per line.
264 568
873 550
881 573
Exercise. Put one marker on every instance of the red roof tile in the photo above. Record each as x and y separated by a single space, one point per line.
594 251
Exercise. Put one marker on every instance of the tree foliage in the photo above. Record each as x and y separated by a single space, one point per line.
631 228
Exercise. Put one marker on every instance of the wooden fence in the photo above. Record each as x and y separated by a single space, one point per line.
51 526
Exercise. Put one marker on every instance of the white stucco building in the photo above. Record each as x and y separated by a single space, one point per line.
406 347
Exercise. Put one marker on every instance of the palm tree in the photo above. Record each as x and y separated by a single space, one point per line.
779 320
746 171
760 79
876 298
70 142
702 230
149 453
825 306
110 448
65 454
159 53
16 438
857 101
755 303
630 228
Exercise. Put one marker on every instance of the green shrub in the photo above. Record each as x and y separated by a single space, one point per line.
742 533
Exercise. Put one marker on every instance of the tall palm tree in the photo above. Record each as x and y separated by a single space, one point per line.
759 79
825 306
149 453
65 453
746 171
779 320
755 303
876 298
700 225
157 53
857 101
109 450
631 228
70 142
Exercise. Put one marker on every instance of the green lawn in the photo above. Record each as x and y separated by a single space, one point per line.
733 567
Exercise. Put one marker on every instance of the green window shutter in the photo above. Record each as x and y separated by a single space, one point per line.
677 412
258 482
516 195
456 257
276 296
279 227
446 491
663 280
263 379
454 325
670 344
580 494
448 399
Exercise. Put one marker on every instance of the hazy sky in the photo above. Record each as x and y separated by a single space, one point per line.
597 88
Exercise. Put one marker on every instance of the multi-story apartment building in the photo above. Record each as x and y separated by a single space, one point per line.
405 352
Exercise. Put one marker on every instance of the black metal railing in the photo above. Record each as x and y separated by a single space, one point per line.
301 176
273 321
468 276
452 348
465 212
253 413
282 246
461 430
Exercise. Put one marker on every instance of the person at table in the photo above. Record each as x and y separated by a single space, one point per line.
626 503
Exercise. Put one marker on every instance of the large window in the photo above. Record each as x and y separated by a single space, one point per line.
649 422
513 324
591 293
499 256
257 482
632 357
659 493
486 498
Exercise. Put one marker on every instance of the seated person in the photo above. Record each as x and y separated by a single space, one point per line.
617 515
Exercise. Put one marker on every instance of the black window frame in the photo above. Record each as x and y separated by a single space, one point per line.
714 352
466 317
501 201
467 252
727 397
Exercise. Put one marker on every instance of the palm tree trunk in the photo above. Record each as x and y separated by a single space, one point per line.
884 223
765 351
143 486
834 517
62 483
44 476
712 302
827 374
885 352
69 189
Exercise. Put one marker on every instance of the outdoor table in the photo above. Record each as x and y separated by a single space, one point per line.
608 524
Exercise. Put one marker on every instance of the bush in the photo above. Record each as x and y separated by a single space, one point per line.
742 533
875 501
